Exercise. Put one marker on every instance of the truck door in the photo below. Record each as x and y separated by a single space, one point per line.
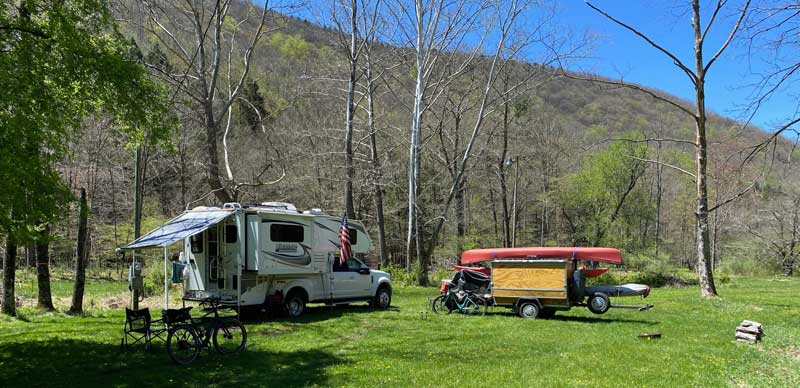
344 280
362 283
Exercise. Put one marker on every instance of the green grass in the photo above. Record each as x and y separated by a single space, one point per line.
409 346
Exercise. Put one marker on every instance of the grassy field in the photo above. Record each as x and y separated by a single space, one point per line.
409 346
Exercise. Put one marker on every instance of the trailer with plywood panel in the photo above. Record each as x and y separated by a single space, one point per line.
538 281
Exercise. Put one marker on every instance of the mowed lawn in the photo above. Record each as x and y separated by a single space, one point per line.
409 346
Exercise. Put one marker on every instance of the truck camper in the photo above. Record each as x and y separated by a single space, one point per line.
268 255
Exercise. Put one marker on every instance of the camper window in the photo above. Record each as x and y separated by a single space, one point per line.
231 234
197 243
353 236
286 233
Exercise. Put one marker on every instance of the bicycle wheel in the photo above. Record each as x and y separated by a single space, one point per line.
439 305
229 337
183 345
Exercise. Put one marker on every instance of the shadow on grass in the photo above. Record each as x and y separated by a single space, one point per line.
86 363
571 318
318 313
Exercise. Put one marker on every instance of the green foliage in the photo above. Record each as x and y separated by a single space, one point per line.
603 199
291 46
356 346
61 63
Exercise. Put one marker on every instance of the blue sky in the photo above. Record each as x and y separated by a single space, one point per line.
618 53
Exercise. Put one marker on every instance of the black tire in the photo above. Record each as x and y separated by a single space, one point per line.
183 345
383 298
295 304
439 305
598 303
529 310
230 337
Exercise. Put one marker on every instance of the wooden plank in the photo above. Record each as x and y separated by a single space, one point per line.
528 277
746 336
749 329
528 294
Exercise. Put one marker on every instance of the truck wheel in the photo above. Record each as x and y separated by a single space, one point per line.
599 303
295 304
528 310
383 298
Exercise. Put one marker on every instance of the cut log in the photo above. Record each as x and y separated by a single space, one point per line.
747 336
750 329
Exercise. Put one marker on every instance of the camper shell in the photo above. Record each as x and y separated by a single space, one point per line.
269 254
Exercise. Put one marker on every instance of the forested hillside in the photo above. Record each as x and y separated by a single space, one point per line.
558 161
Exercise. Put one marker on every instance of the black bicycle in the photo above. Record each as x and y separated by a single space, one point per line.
187 335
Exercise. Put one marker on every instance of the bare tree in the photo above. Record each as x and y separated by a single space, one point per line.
437 33
203 41
697 77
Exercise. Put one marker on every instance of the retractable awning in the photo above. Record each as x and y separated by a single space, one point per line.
180 227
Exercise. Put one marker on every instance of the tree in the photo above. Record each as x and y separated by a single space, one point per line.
436 32
81 256
697 77
62 61
594 199
204 40
43 269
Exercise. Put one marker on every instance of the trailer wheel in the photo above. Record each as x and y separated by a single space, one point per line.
599 303
295 303
529 310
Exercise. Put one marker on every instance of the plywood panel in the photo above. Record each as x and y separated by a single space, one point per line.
528 294
528 277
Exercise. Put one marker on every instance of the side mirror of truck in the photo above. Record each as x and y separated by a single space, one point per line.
364 270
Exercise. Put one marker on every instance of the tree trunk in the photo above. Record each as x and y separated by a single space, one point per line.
43 269
212 168
501 173
704 265
461 219
81 253
376 166
351 87
9 273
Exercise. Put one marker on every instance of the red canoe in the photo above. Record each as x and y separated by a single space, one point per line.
603 255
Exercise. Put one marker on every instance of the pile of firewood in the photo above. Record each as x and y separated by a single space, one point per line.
749 331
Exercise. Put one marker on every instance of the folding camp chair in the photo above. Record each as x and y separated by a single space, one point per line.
139 328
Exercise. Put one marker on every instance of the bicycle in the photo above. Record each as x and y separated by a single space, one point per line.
187 335
465 301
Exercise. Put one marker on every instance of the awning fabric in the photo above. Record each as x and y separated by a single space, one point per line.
604 255
185 225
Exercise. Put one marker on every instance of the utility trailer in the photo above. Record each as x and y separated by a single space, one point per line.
267 255
538 281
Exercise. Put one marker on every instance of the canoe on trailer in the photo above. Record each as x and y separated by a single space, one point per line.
537 281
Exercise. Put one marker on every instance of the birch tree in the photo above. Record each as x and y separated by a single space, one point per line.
438 33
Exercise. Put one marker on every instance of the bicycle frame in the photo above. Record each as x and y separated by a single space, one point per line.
467 302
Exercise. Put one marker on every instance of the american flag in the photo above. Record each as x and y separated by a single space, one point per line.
344 238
